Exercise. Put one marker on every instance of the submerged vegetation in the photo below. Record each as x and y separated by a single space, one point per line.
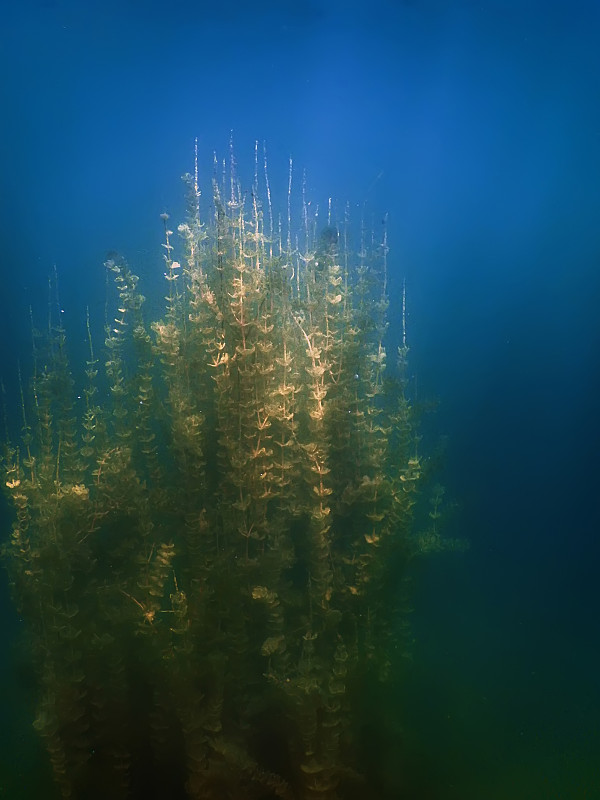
211 559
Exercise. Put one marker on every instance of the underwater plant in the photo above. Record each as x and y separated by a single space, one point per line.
211 558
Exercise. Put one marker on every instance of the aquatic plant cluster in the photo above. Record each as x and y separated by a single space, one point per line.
211 558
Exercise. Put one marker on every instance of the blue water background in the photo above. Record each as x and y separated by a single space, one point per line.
476 127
